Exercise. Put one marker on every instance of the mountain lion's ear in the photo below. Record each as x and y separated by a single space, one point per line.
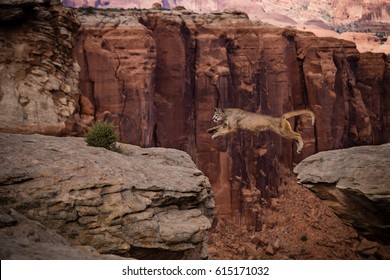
215 109
222 110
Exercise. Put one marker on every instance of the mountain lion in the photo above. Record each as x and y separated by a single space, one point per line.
234 119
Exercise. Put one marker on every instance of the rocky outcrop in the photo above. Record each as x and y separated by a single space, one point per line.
143 203
39 74
157 75
24 239
354 182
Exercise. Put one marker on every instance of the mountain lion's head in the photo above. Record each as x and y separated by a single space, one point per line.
219 115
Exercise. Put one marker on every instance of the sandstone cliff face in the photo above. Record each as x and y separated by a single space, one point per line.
145 203
118 59
38 72
159 74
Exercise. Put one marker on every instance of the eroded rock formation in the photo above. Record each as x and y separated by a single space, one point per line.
157 75
39 76
144 203
355 183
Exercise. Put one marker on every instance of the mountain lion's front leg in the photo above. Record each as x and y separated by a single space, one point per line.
214 129
221 130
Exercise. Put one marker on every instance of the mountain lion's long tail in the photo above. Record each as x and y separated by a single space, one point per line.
298 113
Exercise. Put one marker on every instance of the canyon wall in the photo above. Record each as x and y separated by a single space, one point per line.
157 76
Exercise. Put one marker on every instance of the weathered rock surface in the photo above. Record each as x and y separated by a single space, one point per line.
144 203
118 59
355 183
22 238
157 75
38 72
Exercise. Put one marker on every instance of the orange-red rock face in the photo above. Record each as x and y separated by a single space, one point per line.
118 59
158 76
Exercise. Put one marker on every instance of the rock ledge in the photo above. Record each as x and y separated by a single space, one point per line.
144 203
355 182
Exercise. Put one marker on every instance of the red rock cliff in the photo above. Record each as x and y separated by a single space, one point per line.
158 76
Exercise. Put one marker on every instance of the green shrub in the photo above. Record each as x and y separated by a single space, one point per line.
102 135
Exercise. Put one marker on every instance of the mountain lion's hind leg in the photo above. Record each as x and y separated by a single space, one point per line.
288 133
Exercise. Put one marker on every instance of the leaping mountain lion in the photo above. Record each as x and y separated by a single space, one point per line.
234 119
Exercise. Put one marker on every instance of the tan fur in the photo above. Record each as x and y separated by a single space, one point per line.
234 119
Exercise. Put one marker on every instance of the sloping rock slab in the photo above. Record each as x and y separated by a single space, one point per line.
355 182
24 239
117 203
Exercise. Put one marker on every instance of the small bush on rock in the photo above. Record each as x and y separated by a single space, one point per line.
102 135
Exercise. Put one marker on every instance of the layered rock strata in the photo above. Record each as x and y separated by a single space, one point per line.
39 76
355 183
157 75
143 203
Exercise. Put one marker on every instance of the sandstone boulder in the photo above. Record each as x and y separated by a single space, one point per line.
355 183
144 203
